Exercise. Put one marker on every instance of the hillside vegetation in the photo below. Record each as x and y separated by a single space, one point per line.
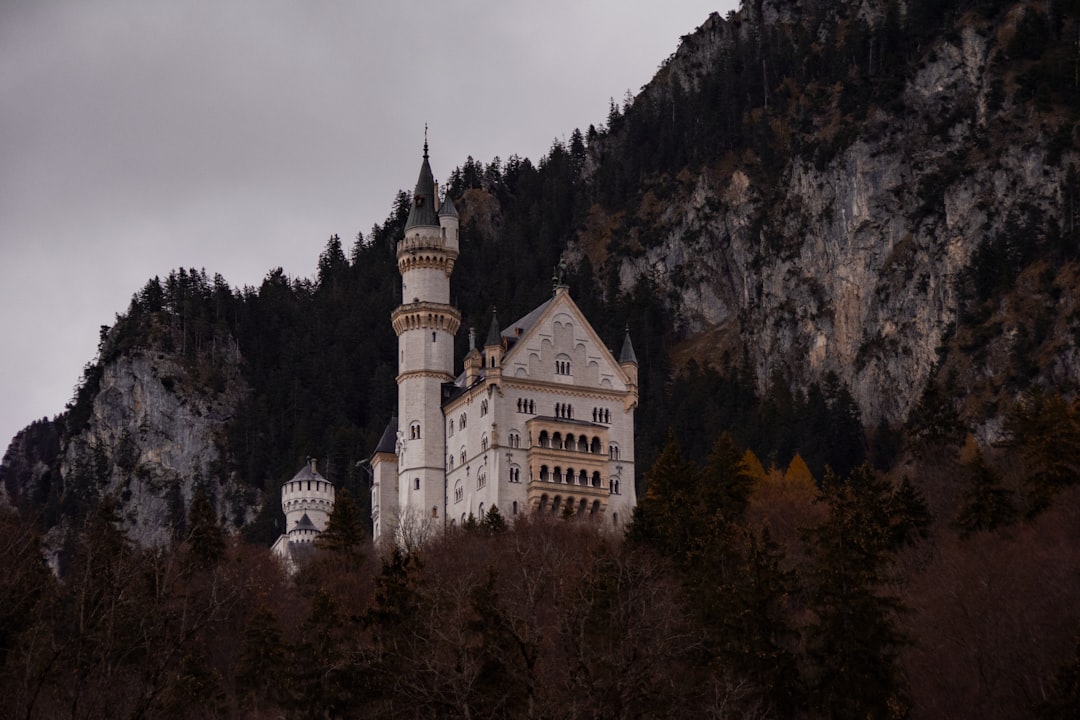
842 236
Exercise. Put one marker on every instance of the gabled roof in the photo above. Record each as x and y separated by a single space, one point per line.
423 212
517 333
521 328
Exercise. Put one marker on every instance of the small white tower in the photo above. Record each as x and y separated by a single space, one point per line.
307 501
425 324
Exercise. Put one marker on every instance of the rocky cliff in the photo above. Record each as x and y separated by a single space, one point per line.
153 426
838 233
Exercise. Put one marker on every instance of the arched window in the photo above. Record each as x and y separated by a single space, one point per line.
483 408
449 462
570 444
416 483
544 475
481 480
514 439
583 443
557 475
463 456
513 508
459 492
596 446
555 504
613 451
614 486
543 502
583 478
569 476
581 507
463 418
484 444
596 482
480 510
595 507
556 441
435 510
532 407
562 364
544 441
451 432
414 431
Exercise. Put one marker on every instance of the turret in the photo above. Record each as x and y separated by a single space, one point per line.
493 349
629 364
307 501
425 324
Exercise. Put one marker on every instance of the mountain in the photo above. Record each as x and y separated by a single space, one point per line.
827 225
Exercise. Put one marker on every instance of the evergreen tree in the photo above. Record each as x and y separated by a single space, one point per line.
205 538
346 532
987 504
854 640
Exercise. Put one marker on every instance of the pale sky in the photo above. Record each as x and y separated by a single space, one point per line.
138 136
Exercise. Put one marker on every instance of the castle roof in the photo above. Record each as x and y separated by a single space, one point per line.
627 355
308 472
447 207
423 212
493 331
388 441
304 523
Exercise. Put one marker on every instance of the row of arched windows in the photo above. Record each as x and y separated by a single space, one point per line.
562 367
581 443
526 406
582 477
579 507
564 410
601 415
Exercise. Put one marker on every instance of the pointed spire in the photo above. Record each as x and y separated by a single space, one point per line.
493 336
627 355
448 207
423 212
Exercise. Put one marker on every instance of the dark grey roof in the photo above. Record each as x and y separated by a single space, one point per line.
422 212
522 326
627 355
493 331
388 441
306 473
447 207
304 523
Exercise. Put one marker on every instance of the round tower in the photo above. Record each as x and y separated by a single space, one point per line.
425 324
307 501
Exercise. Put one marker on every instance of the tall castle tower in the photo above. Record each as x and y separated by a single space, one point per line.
425 324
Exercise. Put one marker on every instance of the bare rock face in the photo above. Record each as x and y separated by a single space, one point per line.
851 263
154 432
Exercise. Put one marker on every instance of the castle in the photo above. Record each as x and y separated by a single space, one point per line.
540 420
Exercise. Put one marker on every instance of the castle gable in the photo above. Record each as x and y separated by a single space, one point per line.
555 343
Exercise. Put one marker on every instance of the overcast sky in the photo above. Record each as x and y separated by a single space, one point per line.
141 136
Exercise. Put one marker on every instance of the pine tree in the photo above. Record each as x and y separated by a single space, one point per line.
346 533
854 640
206 538
987 504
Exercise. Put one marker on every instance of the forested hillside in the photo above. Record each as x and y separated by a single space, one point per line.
842 236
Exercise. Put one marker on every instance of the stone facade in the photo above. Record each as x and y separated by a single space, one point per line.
540 420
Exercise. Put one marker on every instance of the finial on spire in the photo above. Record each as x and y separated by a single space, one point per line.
425 141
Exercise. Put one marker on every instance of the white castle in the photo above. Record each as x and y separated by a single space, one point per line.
541 419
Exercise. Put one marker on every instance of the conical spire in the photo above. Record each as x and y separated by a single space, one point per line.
493 332
627 355
447 207
423 212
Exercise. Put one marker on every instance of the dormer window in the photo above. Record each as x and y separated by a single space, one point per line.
418 200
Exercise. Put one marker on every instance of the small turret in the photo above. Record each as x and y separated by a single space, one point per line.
307 500
493 349
629 364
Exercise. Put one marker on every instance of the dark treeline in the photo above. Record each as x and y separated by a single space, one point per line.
737 592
